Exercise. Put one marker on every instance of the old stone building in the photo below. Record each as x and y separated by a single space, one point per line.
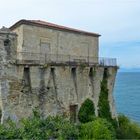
52 68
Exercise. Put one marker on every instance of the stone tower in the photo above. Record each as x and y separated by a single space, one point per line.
52 68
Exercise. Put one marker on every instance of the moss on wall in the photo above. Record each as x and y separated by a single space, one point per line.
103 104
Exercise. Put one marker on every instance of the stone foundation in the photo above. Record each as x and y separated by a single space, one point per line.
53 89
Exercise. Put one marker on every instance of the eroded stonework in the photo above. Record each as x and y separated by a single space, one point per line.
50 88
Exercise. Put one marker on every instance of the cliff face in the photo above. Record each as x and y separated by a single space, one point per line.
53 89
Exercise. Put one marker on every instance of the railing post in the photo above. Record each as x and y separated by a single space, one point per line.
88 59
57 58
45 58
69 59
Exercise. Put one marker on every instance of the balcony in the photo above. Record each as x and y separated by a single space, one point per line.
57 59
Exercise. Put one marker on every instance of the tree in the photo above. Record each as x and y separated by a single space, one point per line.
87 111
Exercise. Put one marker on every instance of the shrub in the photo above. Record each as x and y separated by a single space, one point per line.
97 129
127 129
37 128
86 112
32 128
103 104
61 128
9 131
50 128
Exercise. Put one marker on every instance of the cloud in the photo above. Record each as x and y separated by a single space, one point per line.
116 20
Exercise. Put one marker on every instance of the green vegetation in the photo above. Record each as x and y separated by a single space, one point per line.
9 131
82 65
36 128
104 108
87 111
97 129
60 128
127 129
90 127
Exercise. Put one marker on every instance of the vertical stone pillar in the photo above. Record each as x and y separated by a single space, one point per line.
98 77
7 56
111 81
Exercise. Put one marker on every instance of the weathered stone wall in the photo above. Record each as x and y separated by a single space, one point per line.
51 89
110 83
20 41
60 42
7 70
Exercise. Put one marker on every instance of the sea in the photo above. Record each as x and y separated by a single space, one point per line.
127 94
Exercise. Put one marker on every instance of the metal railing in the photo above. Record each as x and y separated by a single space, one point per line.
65 59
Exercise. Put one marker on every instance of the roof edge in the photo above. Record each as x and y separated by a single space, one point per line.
52 26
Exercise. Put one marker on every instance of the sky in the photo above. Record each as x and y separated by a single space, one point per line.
118 21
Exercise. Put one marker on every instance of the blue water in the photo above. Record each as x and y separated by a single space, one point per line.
127 94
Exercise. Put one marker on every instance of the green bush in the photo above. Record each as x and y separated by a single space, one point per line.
60 128
97 129
9 131
37 128
127 129
51 128
86 112
103 104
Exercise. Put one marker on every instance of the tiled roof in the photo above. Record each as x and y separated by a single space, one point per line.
52 26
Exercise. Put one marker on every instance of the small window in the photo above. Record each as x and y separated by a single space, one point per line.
73 72
73 113
91 72
27 76
6 42
105 73
52 70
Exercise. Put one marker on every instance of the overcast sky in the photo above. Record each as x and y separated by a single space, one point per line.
118 21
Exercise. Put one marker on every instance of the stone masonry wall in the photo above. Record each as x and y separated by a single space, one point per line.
7 70
30 39
51 89
111 82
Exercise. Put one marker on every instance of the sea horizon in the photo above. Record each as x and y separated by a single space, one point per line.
127 94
